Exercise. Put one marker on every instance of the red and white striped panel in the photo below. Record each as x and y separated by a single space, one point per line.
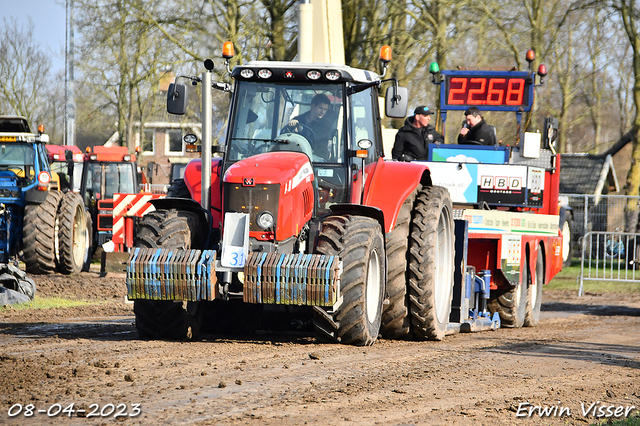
129 205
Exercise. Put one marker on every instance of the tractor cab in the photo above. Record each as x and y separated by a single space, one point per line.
107 171
327 112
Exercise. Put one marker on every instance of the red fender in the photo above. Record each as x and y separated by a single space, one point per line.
193 180
391 184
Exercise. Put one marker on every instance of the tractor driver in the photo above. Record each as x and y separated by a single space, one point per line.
314 125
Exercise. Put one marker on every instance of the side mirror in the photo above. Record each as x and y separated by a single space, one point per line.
396 102
177 99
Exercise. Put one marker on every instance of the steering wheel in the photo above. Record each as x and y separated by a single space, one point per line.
305 131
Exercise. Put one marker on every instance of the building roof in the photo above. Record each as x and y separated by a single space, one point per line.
587 174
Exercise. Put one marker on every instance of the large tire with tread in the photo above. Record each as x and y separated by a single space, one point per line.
534 292
38 235
431 258
72 238
396 323
567 243
510 304
166 319
359 243
89 236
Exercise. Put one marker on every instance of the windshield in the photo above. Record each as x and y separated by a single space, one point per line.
18 158
62 169
106 179
288 117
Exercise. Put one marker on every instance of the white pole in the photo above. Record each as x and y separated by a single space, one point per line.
205 200
305 31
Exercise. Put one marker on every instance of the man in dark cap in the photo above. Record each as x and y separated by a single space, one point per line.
476 130
413 138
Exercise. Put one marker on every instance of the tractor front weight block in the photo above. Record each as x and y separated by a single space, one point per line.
269 278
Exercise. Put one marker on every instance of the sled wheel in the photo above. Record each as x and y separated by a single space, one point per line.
534 292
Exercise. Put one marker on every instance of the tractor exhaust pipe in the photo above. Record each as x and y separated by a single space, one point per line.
205 197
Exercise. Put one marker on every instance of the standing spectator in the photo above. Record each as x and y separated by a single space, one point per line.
413 138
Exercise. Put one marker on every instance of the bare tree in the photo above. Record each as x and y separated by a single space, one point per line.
627 12
24 72
120 58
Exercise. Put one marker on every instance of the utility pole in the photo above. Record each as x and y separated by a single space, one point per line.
70 102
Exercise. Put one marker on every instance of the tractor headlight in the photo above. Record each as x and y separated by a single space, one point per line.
265 220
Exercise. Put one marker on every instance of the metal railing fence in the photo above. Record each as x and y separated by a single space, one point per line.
153 188
603 213
609 256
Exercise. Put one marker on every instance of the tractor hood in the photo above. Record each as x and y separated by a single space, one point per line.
278 184
288 169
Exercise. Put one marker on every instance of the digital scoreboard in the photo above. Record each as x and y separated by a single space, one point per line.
487 90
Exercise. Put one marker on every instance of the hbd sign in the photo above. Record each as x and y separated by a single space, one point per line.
500 183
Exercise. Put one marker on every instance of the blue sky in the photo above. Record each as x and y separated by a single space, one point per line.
48 17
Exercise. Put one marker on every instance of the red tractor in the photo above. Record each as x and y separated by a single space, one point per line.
319 221
107 171
302 211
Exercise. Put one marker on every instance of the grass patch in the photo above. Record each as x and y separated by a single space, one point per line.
48 303
567 279
634 420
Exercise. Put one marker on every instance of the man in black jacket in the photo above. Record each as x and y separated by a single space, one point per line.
413 138
476 129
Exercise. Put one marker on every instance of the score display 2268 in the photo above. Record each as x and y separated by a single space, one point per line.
494 91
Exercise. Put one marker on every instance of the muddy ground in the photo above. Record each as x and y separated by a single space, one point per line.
586 351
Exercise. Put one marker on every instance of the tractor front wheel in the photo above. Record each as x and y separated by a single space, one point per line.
38 235
167 319
358 242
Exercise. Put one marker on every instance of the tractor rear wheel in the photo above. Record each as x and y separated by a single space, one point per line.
72 238
167 319
358 242
38 235
396 323
431 254
534 293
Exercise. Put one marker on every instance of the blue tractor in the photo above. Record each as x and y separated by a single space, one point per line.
38 224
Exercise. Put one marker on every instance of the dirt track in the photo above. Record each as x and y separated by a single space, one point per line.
585 351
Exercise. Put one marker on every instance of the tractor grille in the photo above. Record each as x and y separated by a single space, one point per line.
307 201
105 204
252 200
105 222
